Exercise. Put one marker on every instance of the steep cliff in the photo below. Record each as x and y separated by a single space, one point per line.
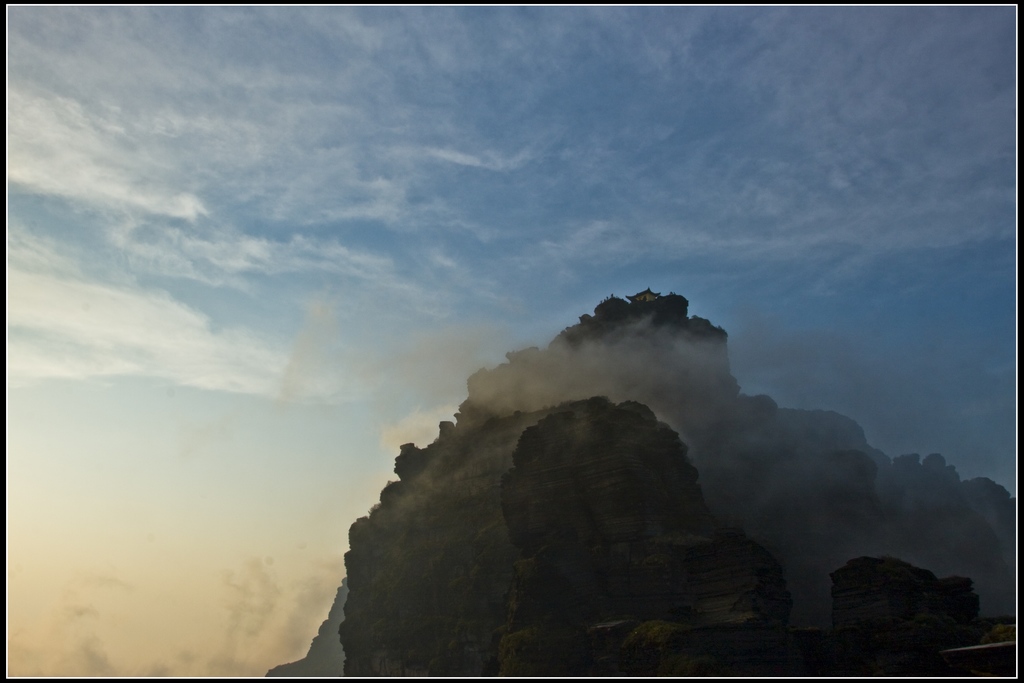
506 541
430 567
612 527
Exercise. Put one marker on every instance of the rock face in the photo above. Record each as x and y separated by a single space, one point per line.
887 588
600 473
612 527
893 619
508 540
430 567
326 657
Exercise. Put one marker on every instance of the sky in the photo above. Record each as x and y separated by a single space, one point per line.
250 252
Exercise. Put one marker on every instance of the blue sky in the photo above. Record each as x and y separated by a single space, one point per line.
251 251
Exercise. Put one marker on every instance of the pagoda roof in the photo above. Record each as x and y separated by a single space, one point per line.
646 295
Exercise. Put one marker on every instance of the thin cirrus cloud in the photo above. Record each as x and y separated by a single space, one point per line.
73 328
227 257
63 323
58 148
160 159
158 162
795 165
489 161
66 323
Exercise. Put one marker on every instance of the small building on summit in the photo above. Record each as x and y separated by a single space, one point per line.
646 295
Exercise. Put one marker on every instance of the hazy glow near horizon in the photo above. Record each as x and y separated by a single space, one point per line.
252 251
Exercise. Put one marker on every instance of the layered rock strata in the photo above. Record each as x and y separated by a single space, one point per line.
510 536
612 526
868 588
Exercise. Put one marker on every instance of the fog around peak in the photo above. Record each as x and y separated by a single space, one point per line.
806 483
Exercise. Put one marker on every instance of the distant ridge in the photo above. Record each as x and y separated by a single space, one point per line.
326 656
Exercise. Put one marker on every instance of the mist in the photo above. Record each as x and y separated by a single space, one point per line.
253 618
935 392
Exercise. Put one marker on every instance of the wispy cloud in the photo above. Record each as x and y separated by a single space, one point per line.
56 147
313 367
72 328
227 256
63 323
605 137
488 161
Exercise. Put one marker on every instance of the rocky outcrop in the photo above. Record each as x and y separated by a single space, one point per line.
507 540
893 619
887 588
613 315
430 566
611 523
326 657
601 474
